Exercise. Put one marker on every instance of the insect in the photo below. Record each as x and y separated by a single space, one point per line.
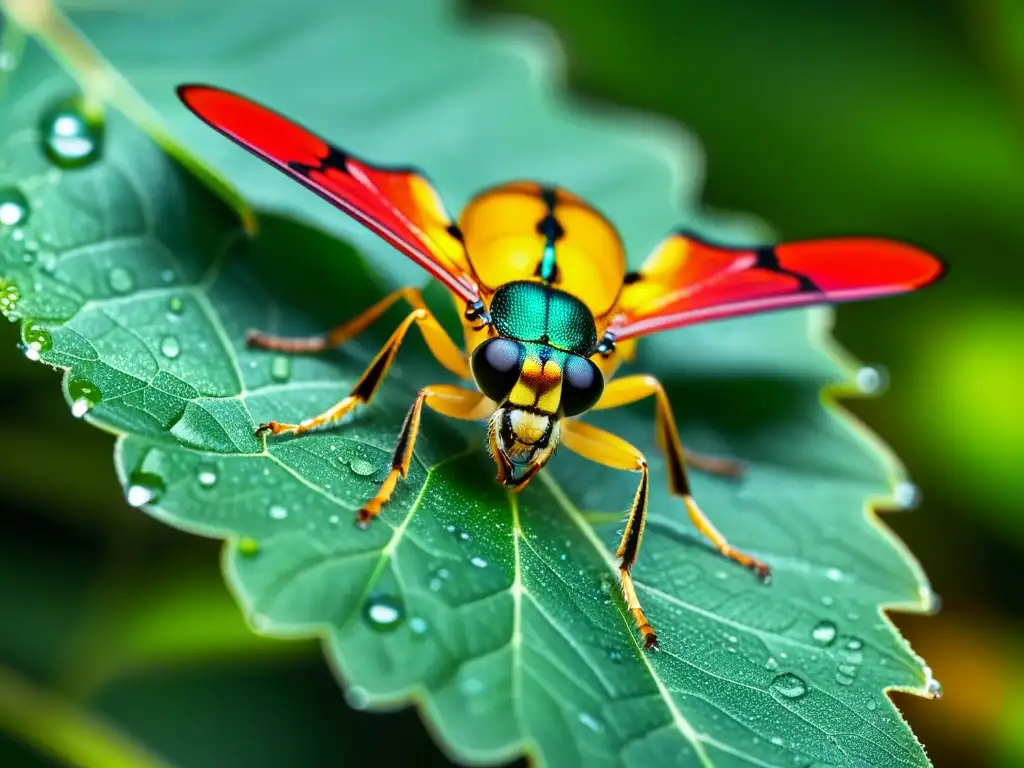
549 311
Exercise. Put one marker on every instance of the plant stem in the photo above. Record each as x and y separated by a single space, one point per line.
64 731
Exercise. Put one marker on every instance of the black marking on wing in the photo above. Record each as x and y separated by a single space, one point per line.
767 259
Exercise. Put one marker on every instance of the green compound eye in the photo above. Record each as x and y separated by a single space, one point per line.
496 365
582 385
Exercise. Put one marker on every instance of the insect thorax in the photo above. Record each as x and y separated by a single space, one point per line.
532 311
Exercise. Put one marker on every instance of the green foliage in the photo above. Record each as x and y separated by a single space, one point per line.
499 614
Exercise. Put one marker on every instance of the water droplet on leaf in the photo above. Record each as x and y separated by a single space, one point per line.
591 722
844 679
278 512
13 207
207 477
175 306
834 574
824 633
37 341
70 139
932 686
248 546
145 488
9 296
907 495
478 561
362 467
789 685
357 697
872 706
170 347
84 396
384 613
872 379
121 280
854 644
418 625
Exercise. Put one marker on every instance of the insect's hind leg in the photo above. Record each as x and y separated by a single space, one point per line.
605 448
454 402
630 389
440 344
336 336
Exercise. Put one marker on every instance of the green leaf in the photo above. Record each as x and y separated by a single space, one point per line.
499 614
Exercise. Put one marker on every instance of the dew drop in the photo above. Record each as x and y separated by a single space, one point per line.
278 512
248 547
843 679
932 686
872 379
854 644
207 477
771 663
145 488
438 579
121 280
170 347
13 207
824 633
70 139
777 741
907 495
176 306
37 341
614 655
848 670
362 467
591 722
789 685
478 562
84 396
281 369
471 686
167 276
834 574
872 706
357 697
384 613
827 601
418 625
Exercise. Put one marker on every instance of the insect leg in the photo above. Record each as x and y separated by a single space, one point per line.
450 401
629 389
605 448
440 344
336 336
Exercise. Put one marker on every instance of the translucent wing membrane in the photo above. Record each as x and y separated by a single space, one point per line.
399 204
687 281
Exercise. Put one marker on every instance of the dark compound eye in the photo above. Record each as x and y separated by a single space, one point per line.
496 365
582 385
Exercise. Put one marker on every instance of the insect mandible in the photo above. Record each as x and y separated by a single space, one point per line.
549 311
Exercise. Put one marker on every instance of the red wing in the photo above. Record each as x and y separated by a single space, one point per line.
398 204
687 281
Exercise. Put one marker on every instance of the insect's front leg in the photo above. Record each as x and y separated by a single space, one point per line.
630 389
605 448
439 342
454 402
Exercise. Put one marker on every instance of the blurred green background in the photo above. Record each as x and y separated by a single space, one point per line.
902 118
